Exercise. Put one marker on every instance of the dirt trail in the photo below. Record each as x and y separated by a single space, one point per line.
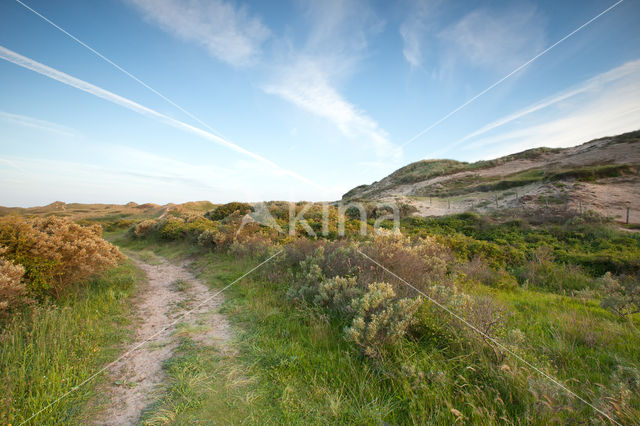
171 292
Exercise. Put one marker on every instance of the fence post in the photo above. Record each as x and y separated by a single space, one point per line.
627 215
580 206
496 201
449 201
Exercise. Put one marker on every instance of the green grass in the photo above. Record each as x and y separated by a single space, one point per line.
510 240
48 349
291 364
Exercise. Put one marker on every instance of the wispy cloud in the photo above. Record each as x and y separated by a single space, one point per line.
340 27
140 109
306 85
606 104
338 38
38 124
414 31
229 33
338 32
494 39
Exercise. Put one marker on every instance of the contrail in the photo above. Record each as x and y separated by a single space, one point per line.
69 80
118 67
445 117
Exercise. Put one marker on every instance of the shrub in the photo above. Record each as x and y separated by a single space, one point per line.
337 294
56 252
478 271
251 245
622 295
422 262
305 287
172 228
380 318
208 238
542 272
13 291
144 228
225 210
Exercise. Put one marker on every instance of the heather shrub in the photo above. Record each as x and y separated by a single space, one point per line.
299 249
208 238
252 245
380 318
13 291
56 252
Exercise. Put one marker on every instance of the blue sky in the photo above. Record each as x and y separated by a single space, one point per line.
295 100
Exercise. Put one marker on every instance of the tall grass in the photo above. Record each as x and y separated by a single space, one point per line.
292 363
47 349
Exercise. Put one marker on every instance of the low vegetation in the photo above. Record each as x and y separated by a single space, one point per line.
323 331
54 253
326 333
64 307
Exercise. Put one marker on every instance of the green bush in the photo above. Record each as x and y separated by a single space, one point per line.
621 295
380 318
542 272
228 209
337 294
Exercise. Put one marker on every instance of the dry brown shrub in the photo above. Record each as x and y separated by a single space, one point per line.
422 262
56 252
13 291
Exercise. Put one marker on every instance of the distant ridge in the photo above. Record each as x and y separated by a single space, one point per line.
601 173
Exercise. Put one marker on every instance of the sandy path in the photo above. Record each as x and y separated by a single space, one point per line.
136 378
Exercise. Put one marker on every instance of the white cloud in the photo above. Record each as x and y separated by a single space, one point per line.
340 27
495 39
414 31
306 85
140 109
339 33
38 124
229 33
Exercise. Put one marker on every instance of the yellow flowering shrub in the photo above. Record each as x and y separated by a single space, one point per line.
55 252
144 228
